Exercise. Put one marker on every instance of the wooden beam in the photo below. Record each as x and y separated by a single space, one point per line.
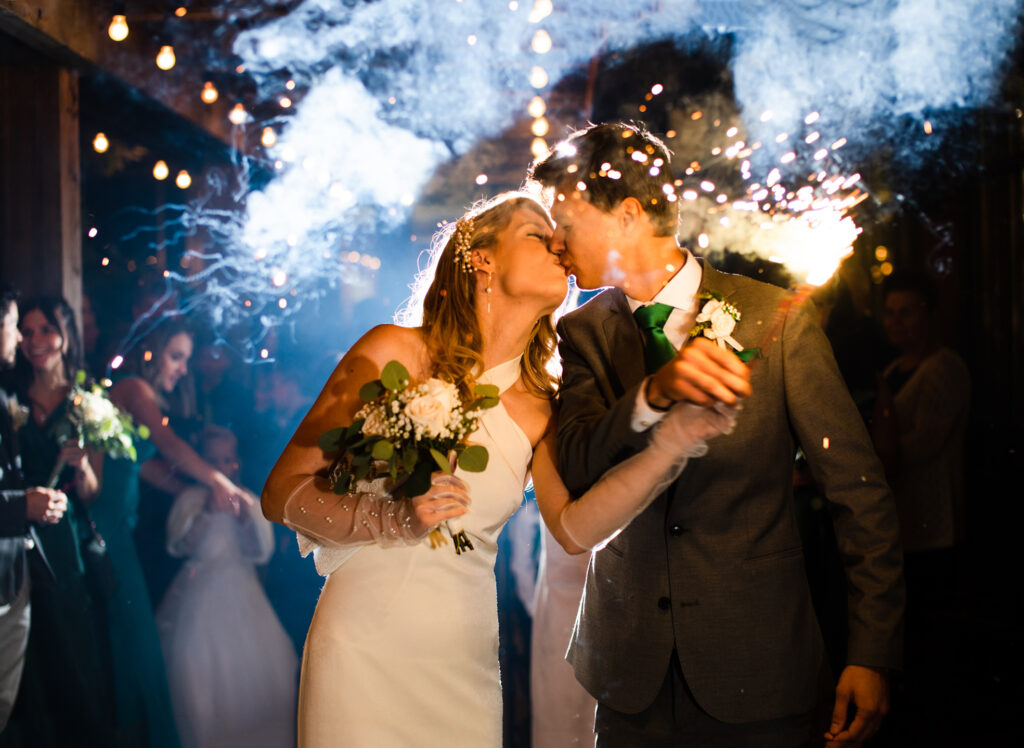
40 185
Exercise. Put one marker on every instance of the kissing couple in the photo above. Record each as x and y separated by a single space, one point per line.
659 451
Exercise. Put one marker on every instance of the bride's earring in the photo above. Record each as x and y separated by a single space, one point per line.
487 290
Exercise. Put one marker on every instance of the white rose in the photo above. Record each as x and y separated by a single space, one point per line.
708 312
446 393
722 324
428 413
96 409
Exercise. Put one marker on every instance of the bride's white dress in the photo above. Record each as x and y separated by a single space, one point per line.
403 647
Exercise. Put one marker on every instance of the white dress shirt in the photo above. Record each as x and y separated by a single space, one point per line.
680 293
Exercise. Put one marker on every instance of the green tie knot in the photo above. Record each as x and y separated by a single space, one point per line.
657 348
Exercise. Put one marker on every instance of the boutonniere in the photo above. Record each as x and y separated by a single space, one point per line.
716 321
19 413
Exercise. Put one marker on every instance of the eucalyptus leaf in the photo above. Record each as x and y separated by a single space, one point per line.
383 450
441 460
474 459
749 354
361 471
486 390
395 377
410 456
483 403
330 441
80 377
371 391
359 460
143 431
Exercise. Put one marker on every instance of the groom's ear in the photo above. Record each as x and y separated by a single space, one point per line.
629 212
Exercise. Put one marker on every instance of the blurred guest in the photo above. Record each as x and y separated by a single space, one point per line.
232 667
65 693
919 426
19 506
155 390
145 716
921 418
221 397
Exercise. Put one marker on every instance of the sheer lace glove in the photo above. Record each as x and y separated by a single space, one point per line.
369 514
629 487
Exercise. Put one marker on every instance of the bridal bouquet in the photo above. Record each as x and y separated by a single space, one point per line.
407 432
93 421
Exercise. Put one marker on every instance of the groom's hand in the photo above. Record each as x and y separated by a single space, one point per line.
862 700
700 373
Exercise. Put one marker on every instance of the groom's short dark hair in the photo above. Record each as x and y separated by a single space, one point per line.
610 162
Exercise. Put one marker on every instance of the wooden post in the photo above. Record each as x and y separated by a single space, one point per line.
40 185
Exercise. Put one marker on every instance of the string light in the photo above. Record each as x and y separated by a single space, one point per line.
539 127
210 93
165 59
118 28
180 11
100 143
536 107
160 170
269 137
237 115
539 148
183 180
538 77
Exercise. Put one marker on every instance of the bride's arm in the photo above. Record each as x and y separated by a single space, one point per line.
627 488
297 495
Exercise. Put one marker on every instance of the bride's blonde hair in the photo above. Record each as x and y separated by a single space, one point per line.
443 303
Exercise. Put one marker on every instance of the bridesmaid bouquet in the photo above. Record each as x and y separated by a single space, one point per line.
407 432
93 421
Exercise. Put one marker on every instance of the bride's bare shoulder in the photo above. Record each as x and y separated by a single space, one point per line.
382 344
391 340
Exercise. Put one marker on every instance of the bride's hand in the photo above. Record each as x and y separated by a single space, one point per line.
687 426
447 497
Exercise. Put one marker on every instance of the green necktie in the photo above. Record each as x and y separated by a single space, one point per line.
657 348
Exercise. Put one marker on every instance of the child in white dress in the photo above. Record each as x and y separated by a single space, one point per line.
231 666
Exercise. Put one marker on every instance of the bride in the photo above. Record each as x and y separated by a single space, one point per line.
403 647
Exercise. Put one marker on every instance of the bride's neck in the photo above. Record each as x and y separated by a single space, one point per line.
505 328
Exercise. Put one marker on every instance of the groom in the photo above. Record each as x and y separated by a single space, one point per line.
696 624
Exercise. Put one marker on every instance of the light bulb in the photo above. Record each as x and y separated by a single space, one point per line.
160 170
269 137
539 148
237 115
118 28
165 60
209 94
536 107
539 127
100 143
183 180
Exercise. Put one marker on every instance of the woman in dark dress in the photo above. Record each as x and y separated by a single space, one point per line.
65 693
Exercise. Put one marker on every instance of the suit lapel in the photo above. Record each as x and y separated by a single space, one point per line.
622 339
713 281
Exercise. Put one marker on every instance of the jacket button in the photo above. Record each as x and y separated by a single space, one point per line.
676 530
664 603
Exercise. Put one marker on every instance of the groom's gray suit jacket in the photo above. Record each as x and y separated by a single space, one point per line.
714 567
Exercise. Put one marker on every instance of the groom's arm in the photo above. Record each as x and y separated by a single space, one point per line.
594 434
844 464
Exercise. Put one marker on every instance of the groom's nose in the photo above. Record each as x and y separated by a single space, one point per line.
557 243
